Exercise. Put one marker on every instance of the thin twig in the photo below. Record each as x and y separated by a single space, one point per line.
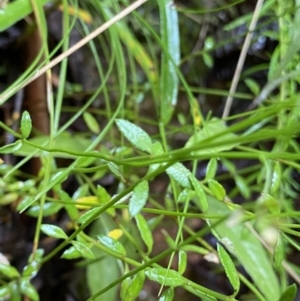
242 57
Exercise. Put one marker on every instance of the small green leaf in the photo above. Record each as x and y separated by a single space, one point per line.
139 198
8 198
165 277
215 127
168 295
34 264
211 168
278 254
37 256
217 190
131 288
81 191
53 231
138 137
71 253
49 208
266 201
125 287
14 291
91 122
30 270
145 232
115 169
11 148
209 43
71 209
112 244
195 249
137 284
182 261
83 250
29 290
26 124
25 203
9 271
229 268
186 195
253 86
169 240
4 292
242 186
276 178
200 193
157 150
289 294
155 222
179 173
208 60
87 215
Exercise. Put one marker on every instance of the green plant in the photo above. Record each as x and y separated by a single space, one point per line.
255 235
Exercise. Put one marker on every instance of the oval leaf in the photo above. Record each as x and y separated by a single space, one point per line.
91 122
71 253
217 190
182 261
4 292
211 168
49 208
84 250
125 288
9 271
165 277
139 198
134 287
30 270
289 294
180 174
8 198
112 244
11 148
276 178
53 231
212 133
26 124
200 193
242 186
167 295
196 249
145 232
29 290
134 134
115 169
157 150
27 201
87 215
229 268
279 253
